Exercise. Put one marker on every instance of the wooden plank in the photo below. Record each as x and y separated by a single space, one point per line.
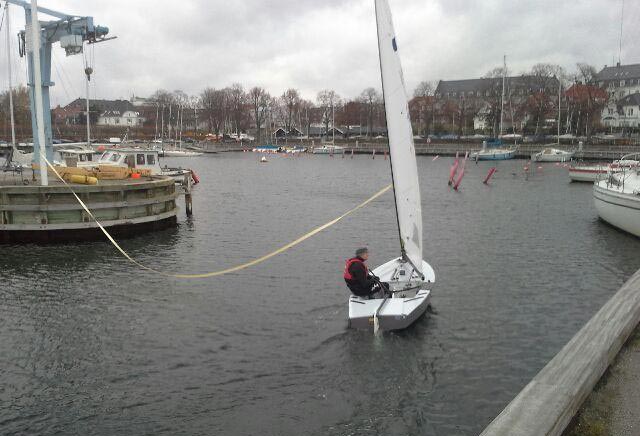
74 205
549 402
89 224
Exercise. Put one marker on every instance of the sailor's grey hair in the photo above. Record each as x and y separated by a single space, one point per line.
361 251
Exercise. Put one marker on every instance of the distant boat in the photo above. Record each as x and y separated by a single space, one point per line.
181 153
552 155
587 172
267 149
616 198
328 149
590 172
409 277
493 150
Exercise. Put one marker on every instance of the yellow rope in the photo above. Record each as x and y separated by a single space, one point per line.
227 270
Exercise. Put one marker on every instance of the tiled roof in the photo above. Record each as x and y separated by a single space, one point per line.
630 100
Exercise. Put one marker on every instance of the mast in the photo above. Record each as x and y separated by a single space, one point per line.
559 112
162 127
157 113
333 123
88 70
13 122
504 77
37 87
620 42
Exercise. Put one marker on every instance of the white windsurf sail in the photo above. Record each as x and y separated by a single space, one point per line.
404 169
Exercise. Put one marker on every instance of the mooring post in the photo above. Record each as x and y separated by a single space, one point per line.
188 204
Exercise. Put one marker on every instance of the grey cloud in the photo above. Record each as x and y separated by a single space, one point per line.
313 45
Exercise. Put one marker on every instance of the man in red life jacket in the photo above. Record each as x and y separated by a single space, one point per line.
360 281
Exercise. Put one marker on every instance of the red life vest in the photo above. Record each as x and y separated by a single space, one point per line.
347 273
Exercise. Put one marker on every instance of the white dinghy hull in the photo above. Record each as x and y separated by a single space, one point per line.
411 298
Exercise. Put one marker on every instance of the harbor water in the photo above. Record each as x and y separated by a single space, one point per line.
92 344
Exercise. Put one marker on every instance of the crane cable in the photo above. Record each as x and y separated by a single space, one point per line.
226 270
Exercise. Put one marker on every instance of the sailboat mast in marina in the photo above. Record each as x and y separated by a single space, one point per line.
409 277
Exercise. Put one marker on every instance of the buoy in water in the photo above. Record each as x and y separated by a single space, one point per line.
435 158
195 177
263 159
491 172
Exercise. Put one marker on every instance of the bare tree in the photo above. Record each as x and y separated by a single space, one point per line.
327 100
291 106
305 115
424 88
493 98
422 106
585 73
259 99
237 100
543 87
214 108
371 100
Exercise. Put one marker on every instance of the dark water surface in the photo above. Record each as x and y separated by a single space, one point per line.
90 344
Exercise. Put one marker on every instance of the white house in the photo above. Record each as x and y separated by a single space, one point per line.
127 118
624 113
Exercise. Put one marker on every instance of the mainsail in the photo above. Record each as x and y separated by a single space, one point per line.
404 169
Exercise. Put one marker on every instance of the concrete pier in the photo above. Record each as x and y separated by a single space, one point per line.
550 401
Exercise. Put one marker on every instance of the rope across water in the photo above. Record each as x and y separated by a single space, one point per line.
226 270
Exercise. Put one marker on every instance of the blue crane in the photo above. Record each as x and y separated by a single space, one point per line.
72 32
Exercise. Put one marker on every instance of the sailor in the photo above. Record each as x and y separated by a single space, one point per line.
359 279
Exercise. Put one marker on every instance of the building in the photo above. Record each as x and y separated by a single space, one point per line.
120 113
619 81
464 106
623 113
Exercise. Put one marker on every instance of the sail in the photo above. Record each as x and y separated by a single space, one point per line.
404 168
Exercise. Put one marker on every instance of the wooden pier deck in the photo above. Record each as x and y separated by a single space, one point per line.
550 401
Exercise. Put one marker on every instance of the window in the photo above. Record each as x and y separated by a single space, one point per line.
90 157
115 157
139 159
630 112
151 159
82 157
117 120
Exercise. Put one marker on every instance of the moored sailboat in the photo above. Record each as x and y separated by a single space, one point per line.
409 277
617 198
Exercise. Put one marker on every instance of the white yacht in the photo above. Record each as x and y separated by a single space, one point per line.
144 160
590 172
328 149
617 198
552 155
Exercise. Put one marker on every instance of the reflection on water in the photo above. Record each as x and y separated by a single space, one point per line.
91 344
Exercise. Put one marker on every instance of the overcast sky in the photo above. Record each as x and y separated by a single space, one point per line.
330 44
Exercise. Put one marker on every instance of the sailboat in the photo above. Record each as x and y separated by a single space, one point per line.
550 154
409 277
495 149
